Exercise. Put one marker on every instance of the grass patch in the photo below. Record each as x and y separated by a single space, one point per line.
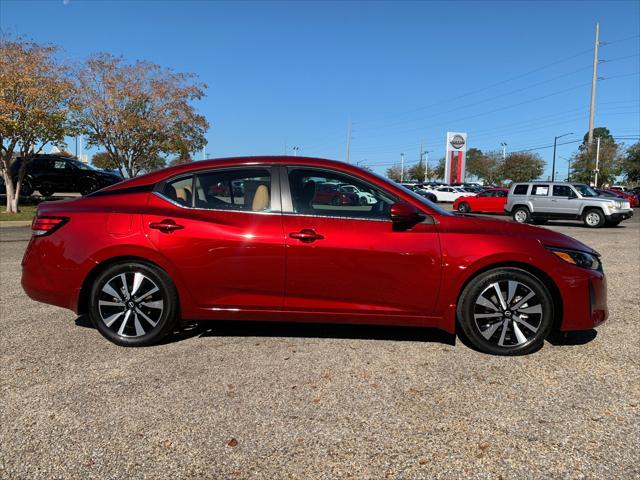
27 212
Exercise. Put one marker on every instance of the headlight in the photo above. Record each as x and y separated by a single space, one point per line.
575 257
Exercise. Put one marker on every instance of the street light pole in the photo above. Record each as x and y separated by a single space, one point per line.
504 150
401 167
553 166
426 164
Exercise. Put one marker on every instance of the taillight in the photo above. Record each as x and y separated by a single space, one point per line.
46 225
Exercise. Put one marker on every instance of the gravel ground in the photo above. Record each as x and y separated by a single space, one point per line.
273 401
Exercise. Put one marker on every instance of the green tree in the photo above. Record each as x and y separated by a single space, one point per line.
139 113
602 132
35 95
631 164
522 167
610 163
438 172
103 160
183 158
485 166
417 172
395 173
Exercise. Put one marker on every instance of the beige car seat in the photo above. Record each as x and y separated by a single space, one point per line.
260 199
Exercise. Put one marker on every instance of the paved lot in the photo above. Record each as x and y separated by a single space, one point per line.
302 401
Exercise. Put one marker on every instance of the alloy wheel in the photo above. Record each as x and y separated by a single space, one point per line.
130 304
508 313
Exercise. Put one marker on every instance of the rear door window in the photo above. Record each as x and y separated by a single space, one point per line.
540 190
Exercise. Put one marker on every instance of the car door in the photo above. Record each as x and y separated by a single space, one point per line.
563 201
347 259
222 231
541 199
496 201
481 201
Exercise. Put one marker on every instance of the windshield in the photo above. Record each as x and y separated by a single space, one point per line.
585 190
80 165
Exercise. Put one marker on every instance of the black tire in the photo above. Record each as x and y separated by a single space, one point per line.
463 207
90 186
432 197
144 308
593 218
521 215
45 192
487 331
362 201
26 190
335 201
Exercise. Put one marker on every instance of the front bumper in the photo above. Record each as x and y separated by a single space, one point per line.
584 301
618 216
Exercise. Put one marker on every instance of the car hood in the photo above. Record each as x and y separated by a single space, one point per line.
473 224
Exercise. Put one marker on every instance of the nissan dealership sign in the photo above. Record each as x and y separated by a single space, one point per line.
456 157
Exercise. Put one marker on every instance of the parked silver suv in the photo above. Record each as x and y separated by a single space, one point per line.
538 202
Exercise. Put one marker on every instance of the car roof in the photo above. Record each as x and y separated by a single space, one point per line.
159 175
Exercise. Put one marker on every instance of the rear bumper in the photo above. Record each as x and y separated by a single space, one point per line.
47 282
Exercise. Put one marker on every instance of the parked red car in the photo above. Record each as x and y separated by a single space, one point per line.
491 200
630 197
139 256
331 194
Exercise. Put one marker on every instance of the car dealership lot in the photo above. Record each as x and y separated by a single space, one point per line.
305 401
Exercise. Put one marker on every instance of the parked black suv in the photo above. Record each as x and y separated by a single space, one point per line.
49 174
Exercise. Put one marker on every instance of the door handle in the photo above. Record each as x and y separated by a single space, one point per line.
306 235
165 226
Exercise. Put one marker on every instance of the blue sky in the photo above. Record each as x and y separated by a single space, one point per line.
293 73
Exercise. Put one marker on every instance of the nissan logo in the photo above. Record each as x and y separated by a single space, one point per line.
457 141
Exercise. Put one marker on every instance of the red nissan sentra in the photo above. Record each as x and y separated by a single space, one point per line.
141 255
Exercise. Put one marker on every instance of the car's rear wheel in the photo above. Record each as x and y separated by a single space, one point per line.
26 190
506 311
593 218
89 187
133 304
521 215
335 201
363 201
464 207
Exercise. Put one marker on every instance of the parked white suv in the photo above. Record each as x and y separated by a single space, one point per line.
539 202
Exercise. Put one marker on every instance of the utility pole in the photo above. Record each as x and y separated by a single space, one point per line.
401 167
594 78
348 138
504 150
597 160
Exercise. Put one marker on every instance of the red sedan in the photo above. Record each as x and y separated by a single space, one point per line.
491 200
139 256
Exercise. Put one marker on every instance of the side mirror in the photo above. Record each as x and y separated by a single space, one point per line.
405 215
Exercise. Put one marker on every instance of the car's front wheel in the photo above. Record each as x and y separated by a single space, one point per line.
593 218
505 311
133 304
